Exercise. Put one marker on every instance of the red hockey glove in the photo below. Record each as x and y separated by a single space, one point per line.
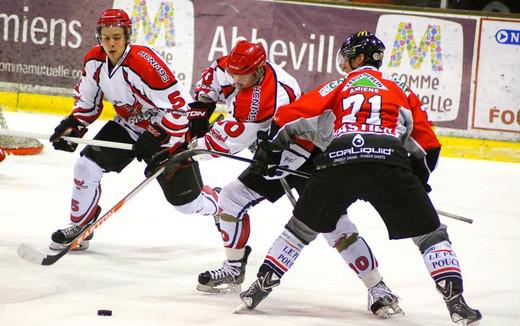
69 126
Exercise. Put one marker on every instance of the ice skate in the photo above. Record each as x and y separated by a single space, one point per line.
258 291
460 312
226 279
383 302
62 237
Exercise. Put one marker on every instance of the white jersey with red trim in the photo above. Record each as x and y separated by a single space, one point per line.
249 110
141 87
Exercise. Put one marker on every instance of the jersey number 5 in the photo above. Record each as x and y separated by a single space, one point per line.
176 100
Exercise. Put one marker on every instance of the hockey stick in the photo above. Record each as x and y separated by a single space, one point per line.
30 254
34 256
455 216
288 192
199 151
92 142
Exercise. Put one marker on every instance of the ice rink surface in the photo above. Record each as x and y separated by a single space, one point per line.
143 262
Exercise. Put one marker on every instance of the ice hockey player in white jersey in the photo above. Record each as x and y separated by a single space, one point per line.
253 89
150 105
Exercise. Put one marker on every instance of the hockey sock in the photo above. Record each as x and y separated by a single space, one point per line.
86 190
235 231
442 263
283 253
359 257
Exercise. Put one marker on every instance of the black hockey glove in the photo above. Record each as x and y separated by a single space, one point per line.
164 156
423 167
69 126
198 117
267 156
150 142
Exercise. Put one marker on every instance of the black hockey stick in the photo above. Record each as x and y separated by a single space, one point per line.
455 216
289 194
199 151
288 191
34 256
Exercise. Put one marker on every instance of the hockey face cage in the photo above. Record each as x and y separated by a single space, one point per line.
245 58
366 43
117 18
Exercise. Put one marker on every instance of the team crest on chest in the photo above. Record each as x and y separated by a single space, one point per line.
365 80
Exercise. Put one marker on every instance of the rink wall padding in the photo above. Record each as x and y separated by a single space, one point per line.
464 68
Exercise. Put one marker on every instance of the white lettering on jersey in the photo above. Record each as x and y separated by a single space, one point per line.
364 150
155 65
348 128
255 103
330 86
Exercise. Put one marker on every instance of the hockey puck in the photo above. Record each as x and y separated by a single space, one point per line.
104 312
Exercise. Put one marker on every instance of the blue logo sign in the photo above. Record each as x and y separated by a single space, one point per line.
508 36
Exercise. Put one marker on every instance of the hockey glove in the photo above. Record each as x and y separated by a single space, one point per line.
150 142
267 157
69 126
198 117
163 157
423 167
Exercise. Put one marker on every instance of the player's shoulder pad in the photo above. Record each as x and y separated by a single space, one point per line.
95 53
150 67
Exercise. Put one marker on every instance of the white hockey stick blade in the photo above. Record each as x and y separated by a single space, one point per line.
30 254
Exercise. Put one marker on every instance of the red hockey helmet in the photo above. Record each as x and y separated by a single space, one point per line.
245 58
114 17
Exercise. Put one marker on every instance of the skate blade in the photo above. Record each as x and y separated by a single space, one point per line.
391 311
83 245
468 323
242 308
222 290
457 319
